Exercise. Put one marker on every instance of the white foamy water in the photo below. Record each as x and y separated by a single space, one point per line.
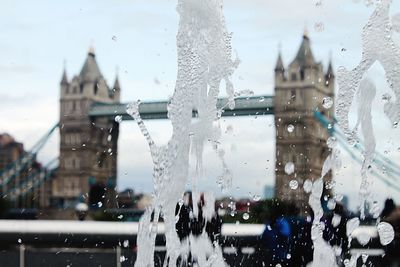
378 46
289 168
324 254
204 61
386 233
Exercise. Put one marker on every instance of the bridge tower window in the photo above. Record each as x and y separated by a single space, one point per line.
95 88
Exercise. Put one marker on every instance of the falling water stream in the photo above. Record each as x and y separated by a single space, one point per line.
378 46
204 61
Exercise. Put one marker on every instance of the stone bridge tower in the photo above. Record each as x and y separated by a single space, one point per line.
300 138
88 147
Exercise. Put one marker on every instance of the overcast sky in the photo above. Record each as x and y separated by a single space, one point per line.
138 37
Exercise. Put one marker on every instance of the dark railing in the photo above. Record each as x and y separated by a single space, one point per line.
113 244
71 243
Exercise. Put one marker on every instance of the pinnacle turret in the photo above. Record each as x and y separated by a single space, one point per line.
116 84
330 72
279 63
64 79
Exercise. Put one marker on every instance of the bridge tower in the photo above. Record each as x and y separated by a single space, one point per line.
300 138
88 147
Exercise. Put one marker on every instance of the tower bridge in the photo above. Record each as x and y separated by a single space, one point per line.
89 131
89 108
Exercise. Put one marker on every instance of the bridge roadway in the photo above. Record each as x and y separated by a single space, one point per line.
244 106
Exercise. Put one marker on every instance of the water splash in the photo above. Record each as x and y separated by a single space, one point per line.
378 46
365 96
204 61
324 254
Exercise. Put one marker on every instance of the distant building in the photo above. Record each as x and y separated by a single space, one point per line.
88 147
15 190
300 90
144 202
10 150
126 199
269 192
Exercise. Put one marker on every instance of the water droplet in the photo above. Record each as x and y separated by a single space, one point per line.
364 258
327 102
244 93
363 238
288 256
262 99
231 104
118 118
293 184
330 185
229 129
114 38
289 168
336 220
19 240
256 197
126 243
375 209
307 186
331 204
338 251
122 259
386 97
99 204
386 233
339 197
351 225
246 216
290 128
319 27
331 142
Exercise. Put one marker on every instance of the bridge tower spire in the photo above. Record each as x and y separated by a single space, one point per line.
300 138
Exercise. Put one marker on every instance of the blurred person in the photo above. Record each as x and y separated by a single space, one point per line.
301 247
388 208
277 238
